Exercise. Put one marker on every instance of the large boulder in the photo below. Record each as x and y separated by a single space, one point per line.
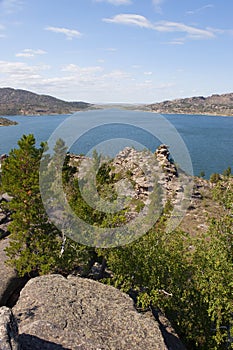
8 330
75 313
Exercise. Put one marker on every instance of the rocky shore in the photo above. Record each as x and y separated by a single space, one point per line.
6 122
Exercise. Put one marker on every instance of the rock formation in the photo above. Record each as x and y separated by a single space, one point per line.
4 216
75 313
147 170
8 330
10 284
163 157
137 175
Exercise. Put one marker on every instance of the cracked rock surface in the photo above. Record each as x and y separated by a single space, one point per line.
8 330
76 313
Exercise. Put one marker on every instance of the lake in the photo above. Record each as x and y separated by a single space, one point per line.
207 139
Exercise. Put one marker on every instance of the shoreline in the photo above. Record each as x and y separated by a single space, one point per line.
117 107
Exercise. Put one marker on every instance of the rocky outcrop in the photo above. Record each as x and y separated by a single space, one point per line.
6 122
5 217
74 313
8 330
138 177
10 284
163 157
172 180
139 168
146 170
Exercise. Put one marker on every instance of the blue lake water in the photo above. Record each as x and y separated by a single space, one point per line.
207 139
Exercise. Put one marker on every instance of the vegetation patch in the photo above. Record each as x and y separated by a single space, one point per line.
186 274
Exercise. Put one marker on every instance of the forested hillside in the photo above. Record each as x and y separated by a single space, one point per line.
23 102
211 105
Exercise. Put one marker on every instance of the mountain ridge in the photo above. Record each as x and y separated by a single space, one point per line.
215 104
23 102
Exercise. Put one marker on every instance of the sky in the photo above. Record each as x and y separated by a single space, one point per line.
117 51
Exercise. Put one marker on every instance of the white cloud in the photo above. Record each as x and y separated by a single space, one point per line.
176 42
200 9
69 33
130 19
30 53
21 75
116 2
163 26
117 75
73 68
24 54
87 83
192 32
20 69
148 73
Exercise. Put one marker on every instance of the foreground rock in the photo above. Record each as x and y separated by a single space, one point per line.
8 330
75 313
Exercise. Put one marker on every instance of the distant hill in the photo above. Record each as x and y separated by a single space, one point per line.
212 105
23 102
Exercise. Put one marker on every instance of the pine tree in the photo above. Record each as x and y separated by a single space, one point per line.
36 245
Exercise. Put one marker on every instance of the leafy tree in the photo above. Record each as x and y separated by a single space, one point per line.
188 278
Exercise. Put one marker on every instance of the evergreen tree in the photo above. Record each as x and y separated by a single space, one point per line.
36 246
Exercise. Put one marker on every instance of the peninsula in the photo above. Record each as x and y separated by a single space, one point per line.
6 122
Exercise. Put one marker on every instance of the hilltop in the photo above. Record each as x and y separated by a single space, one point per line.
211 105
23 102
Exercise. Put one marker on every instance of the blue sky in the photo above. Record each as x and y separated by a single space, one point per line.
131 51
